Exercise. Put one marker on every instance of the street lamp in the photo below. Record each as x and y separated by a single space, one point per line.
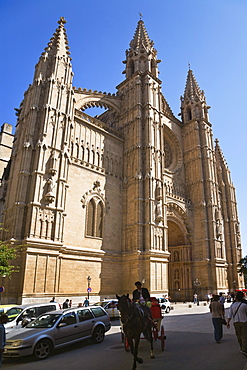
197 283
88 286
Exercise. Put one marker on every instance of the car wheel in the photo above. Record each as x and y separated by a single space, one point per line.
42 349
98 334
168 309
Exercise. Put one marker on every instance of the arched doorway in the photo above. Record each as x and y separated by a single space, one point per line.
179 276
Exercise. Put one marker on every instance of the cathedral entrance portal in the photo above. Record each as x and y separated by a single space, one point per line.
179 276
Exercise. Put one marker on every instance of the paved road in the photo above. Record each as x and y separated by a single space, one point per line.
190 345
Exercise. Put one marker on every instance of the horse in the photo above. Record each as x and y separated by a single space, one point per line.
134 323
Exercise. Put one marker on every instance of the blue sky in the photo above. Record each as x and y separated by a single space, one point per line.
209 34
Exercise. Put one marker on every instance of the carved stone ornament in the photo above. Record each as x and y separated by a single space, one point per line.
96 190
52 164
158 192
158 216
49 196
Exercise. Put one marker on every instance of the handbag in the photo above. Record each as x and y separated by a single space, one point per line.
223 321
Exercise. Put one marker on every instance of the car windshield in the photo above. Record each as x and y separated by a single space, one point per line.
102 304
13 312
44 321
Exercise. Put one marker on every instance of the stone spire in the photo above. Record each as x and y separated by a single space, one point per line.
192 90
193 103
141 56
141 40
57 48
58 44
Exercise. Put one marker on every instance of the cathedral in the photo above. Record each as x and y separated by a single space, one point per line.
134 193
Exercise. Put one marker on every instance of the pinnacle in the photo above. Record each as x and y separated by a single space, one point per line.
58 44
141 38
61 20
220 153
192 88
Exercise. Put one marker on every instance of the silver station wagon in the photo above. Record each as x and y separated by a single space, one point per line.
56 329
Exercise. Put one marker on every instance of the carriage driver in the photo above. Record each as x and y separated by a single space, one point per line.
142 299
140 295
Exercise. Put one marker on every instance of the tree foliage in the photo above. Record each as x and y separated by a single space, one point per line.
243 266
8 253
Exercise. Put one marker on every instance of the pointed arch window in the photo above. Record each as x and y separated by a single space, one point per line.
132 67
99 219
176 274
153 67
189 115
82 152
77 150
72 148
94 222
176 256
88 155
93 156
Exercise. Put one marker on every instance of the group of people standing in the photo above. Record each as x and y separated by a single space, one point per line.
68 303
237 313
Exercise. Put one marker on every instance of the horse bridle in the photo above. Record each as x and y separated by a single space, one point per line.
128 317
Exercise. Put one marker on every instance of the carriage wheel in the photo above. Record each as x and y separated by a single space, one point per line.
126 344
162 338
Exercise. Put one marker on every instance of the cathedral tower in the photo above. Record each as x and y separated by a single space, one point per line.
144 215
208 253
34 208
229 211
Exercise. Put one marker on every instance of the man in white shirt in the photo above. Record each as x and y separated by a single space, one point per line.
238 312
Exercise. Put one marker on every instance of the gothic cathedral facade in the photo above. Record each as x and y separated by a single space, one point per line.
132 194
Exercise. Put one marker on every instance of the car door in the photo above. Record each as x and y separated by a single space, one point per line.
86 322
111 309
67 329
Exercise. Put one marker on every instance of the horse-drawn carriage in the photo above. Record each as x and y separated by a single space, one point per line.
129 317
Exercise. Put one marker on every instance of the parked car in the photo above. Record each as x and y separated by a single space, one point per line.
5 307
110 305
164 304
56 329
27 312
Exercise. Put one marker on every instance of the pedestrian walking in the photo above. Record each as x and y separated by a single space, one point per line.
238 312
86 302
222 300
66 303
216 309
3 320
